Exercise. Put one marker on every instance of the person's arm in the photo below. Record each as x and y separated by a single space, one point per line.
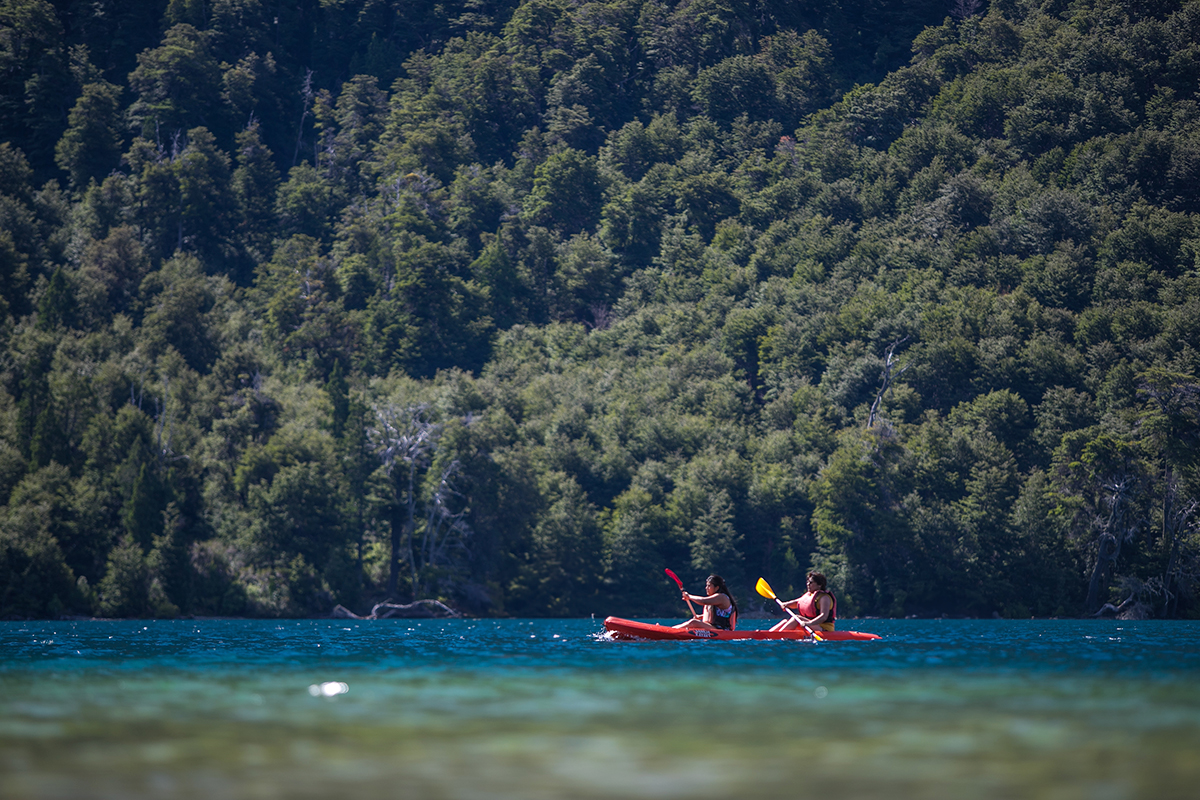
719 600
688 598
824 605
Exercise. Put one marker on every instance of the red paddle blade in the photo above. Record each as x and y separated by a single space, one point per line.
674 577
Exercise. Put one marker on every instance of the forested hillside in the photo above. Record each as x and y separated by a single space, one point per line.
514 304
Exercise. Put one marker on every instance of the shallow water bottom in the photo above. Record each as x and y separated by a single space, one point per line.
554 736
595 766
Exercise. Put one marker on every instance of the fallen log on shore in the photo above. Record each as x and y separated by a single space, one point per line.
1116 611
419 609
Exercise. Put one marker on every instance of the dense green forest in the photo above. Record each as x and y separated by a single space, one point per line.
514 304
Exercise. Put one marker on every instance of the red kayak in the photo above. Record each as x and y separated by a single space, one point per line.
629 629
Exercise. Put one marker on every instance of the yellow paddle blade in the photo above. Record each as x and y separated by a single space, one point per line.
764 588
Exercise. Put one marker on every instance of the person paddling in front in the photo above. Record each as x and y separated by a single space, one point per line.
817 607
720 609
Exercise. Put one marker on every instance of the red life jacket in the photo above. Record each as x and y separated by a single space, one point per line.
808 607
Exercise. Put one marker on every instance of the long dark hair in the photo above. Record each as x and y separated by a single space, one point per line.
719 582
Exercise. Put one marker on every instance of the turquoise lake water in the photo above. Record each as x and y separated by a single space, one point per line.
548 709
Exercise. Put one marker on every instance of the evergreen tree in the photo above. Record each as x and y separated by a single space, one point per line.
92 144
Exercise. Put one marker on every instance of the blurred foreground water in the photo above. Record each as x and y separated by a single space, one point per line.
550 709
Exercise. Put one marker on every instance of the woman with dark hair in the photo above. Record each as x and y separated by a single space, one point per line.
720 609
817 607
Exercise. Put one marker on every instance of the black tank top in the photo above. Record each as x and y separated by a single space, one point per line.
723 618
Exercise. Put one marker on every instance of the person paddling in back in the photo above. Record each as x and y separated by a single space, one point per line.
817 607
720 609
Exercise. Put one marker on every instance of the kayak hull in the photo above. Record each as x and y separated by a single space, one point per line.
631 629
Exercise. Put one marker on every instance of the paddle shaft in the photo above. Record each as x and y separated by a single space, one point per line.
679 583
765 590
795 616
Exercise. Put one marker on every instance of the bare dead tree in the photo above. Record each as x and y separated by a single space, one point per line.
1172 422
962 9
886 378
444 529
306 94
403 439
1177 523
602 316
1116 528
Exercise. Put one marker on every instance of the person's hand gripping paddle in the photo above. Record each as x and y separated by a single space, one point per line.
764 588
679 583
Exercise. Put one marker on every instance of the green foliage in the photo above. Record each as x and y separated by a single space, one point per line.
178 301
91 145
304 203
562 574
567 191
737 85
36 524
125 590
637 267
177 84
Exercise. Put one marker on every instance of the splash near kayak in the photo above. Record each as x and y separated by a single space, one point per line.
627 629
